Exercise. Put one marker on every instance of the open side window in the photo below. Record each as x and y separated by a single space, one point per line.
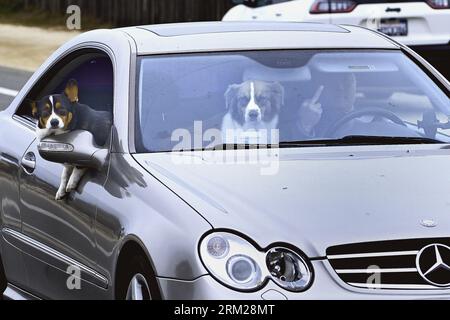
93 71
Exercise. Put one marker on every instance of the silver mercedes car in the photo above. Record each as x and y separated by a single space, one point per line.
245 161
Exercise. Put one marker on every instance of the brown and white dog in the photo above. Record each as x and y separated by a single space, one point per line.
253 112
61 113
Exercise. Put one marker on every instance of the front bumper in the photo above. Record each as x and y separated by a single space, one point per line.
325 286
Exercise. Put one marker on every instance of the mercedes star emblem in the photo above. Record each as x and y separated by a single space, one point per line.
433 264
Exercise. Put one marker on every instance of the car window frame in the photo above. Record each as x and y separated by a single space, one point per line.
135 134
52 70
428 69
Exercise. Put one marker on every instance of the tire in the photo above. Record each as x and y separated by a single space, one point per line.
137 281
3 281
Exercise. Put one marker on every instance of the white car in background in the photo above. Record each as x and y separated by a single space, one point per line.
422 24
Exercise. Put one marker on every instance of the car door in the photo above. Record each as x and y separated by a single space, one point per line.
16 134
57 237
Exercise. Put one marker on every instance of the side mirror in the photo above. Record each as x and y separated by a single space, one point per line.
75 147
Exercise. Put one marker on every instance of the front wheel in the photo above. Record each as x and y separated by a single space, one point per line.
137 282
138 288
3 281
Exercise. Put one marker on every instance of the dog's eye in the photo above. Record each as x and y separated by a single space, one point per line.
62 112
45 114
242 101
263 101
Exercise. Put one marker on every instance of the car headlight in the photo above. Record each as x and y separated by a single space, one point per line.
235 262
288 269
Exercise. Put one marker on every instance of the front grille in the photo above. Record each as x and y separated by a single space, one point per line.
389 264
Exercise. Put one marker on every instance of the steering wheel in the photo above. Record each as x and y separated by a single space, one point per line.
364 112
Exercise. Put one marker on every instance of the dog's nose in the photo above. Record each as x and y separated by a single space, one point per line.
54 123
253 114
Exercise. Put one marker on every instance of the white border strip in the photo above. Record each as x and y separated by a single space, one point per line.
8 92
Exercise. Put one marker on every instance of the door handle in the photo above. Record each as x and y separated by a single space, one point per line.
28 162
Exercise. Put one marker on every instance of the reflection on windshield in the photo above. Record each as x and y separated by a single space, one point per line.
197 101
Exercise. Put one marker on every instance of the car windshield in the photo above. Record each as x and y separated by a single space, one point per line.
286 97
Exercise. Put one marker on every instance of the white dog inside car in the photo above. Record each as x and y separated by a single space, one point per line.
253 112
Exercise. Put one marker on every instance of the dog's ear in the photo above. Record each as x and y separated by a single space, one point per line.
278 94
230 96
33 106
71 90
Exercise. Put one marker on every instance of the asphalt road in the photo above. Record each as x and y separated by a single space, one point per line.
11 81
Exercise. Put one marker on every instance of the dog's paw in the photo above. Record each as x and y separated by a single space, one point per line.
60 194
71 185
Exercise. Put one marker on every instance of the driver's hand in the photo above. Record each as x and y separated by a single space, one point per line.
309 115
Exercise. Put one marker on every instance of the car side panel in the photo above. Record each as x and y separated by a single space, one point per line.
58 235
137 206
15 137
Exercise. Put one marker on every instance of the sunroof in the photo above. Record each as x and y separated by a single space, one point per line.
180 29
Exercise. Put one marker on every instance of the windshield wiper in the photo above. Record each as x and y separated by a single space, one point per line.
359 140
240 146
347 140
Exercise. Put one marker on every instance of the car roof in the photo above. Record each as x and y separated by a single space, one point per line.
180 29
233 36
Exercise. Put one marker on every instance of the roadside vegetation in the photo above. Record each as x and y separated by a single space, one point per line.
17 13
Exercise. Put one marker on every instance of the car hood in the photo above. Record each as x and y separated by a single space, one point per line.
315 197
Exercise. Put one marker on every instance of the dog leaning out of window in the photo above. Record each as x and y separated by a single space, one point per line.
62 113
